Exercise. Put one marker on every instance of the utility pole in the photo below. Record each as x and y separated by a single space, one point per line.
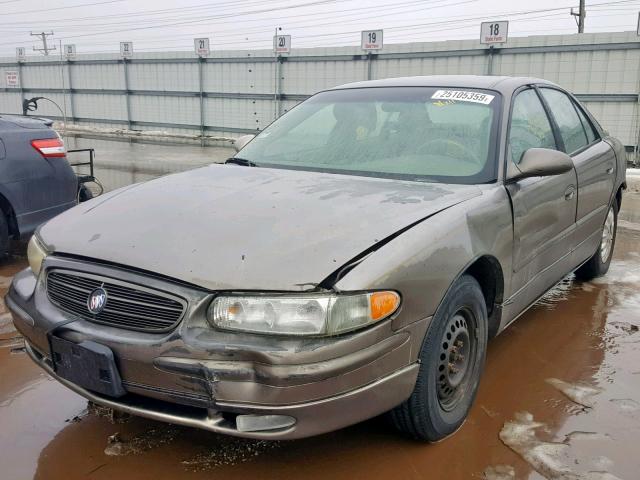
580 16
43 38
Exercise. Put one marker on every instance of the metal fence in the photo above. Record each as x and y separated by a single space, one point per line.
243 91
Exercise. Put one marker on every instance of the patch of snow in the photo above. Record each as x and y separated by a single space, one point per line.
553 460
580 394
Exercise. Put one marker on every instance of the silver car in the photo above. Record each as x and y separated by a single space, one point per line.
352 259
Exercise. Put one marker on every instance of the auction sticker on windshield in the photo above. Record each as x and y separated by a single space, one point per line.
463 96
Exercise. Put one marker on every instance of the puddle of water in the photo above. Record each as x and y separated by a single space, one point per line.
582 335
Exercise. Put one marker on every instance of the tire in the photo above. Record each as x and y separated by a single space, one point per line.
84 194
599 263
443 395
4 235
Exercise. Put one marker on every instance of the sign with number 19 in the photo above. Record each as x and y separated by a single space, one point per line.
371 40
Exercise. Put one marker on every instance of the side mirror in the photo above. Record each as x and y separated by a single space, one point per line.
542 162
240 142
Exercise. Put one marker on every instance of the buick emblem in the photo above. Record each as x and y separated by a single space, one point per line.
97 300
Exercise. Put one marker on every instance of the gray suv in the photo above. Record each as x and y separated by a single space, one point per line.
36 181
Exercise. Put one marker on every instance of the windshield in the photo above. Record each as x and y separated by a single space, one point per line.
412 133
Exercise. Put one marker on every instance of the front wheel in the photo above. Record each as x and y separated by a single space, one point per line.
451 363
599 263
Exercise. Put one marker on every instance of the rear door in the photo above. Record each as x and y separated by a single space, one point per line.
544 208
595 164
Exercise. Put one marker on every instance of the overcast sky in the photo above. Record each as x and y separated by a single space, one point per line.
157 25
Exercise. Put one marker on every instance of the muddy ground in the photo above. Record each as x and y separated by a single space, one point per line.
560 399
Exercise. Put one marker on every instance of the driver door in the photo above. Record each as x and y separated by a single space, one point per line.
544 208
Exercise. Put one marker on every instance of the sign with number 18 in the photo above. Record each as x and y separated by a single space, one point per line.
494 32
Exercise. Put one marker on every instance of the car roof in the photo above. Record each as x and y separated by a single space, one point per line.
503 84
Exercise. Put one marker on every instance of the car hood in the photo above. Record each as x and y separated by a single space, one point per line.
229 227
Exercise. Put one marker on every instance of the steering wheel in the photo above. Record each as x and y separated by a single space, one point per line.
450 148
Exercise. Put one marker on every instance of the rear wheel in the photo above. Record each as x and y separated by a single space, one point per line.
451 363
4 235
599 263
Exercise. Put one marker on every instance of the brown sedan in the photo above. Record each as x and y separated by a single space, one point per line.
353 259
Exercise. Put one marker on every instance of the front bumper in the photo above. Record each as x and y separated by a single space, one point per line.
201 377
312 418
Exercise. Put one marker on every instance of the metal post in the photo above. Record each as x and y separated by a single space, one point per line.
369 56
126 91
201 86
275 86
279 87
275 75
490 60
21 88
71 105
64 91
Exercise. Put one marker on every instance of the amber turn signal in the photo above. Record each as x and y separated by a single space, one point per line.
383 304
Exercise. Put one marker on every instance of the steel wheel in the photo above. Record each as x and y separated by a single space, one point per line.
457 351
607 236
451 361
599 262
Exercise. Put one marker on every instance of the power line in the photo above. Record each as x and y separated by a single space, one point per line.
387 11
260 2
450 20
40 10
205 6
204 19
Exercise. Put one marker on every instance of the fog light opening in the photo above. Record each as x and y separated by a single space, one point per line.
258 423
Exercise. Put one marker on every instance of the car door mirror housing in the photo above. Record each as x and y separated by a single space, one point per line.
240 142
542 162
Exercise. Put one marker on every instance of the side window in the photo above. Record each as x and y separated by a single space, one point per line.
530 127
592 136
567 119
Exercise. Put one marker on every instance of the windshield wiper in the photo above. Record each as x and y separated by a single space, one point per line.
240 161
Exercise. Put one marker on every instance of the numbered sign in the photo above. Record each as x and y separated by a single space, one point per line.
282 44
371 40
12 78
201 46
70 52
126 49
21 54
494 32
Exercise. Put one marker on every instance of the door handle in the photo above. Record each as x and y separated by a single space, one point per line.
569 193
609 170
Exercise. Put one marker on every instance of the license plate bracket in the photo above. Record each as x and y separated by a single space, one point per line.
87 364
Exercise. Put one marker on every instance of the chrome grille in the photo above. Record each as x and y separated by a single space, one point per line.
128 306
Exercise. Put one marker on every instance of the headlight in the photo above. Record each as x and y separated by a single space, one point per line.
36 253
301 314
